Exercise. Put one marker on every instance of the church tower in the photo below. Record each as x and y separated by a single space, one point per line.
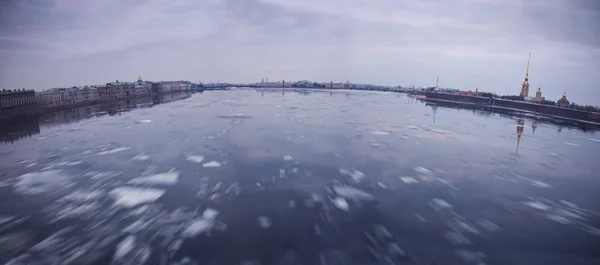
525 87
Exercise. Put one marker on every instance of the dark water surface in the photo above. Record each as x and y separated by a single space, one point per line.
250 177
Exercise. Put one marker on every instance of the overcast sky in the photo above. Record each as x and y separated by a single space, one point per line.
468 43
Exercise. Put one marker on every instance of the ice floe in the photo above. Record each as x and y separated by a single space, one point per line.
235 116
571 144
210 214
141 157
136 226
125 247
264 222
201 224
81 195
288 158
379 133
212 164
101 175
43 181
355 174
131 196
341 203
145 121
195 158
112 151
537 205
62 164
350 192
75 210
594 140
440 204
408 180
168 178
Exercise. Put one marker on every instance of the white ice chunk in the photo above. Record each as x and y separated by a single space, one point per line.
196 227
341 203
288 158
77 210
130 196
212 164
81 195
112 151
594 140
124 247
168 178
487 224
379 133
422 170
101 175
145 121
210 214
39 182
264 221
141 157
409 180
195 158
540 184
440 204
537 205
62 164
355 174
136 226
559 219
350 192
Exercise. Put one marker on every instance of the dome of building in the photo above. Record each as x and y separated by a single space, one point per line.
563 102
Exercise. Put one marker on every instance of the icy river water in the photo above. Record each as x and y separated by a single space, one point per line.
282 177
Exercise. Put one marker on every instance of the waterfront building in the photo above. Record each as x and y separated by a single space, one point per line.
16 98
108 92
563 102
525 86
170 86
51 97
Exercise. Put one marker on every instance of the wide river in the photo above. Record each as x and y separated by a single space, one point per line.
285 177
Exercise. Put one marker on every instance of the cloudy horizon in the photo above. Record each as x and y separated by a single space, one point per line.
469 44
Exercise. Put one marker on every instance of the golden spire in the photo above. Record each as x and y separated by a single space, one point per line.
525 87
527 71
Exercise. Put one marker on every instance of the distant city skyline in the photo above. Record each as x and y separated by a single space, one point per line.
469 44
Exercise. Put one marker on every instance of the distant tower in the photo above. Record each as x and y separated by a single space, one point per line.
525 87
436 82
139 79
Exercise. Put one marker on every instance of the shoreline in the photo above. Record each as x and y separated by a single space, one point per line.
34 110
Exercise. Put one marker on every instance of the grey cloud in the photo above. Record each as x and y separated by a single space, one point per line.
469 43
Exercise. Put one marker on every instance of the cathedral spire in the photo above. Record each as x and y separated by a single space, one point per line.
525 87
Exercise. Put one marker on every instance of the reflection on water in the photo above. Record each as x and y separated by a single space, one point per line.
11 130
287 177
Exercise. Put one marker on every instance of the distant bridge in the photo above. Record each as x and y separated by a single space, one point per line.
223 86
